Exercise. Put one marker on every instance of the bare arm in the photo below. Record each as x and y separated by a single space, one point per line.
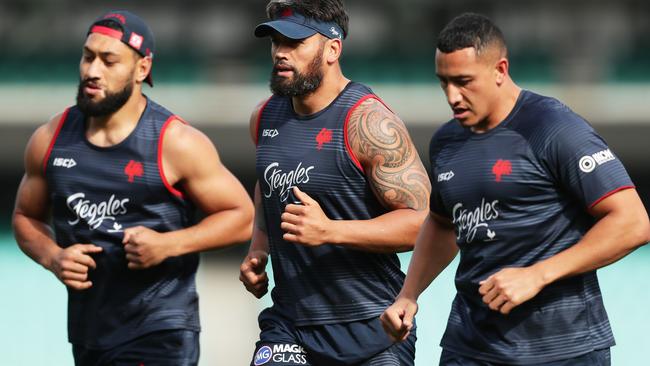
33 234
621 228
252 272
397 177
191 161
435 248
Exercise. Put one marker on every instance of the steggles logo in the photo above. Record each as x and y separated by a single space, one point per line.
469 221
282 182
95 213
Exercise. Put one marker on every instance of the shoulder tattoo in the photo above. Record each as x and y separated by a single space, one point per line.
392 164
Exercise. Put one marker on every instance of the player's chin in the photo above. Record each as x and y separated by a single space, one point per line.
93 99
467 121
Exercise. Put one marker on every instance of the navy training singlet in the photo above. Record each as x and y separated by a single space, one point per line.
96 193
519 194
330 283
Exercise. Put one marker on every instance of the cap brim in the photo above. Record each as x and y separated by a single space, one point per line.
286 28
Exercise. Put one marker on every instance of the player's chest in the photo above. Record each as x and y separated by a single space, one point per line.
77 169
481 172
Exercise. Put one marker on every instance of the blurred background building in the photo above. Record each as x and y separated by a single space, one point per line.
594 55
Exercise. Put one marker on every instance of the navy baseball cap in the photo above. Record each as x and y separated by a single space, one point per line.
294 25
135 33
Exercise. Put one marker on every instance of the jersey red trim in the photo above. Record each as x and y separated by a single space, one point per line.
354 158
609 194
259 120
169 187
113 33
56 134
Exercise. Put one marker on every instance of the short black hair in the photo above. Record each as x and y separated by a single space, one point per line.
323 10
470 30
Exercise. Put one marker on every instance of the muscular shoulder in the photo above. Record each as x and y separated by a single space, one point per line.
384 148
181 138
374 130
39 143
185 145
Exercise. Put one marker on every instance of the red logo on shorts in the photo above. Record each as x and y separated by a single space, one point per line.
501 167
133 169
323 137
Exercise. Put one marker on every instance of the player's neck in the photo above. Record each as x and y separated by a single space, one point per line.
114 128
503 106
331 86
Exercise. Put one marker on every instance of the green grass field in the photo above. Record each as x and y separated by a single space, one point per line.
33 311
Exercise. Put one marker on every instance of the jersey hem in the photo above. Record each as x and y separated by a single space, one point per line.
326 321
132 336
543 358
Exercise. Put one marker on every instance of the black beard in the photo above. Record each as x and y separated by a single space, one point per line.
109 105
301 84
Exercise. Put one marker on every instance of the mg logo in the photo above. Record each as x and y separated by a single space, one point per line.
263 356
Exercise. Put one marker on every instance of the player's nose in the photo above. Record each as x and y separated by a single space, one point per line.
454 97
93 70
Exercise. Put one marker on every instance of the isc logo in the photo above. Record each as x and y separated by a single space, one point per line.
62 162
270 133
445 177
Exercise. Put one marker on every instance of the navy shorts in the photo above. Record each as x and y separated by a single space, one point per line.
358 343
161 348
599 357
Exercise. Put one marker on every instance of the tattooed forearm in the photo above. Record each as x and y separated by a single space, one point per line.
382 144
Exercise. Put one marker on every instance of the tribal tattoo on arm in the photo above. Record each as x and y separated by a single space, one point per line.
393 167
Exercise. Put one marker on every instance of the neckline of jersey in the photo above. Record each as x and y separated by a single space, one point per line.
316 114
503 124
125 140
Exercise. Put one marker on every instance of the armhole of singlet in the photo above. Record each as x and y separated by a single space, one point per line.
259 120
351 154
169 187
53 141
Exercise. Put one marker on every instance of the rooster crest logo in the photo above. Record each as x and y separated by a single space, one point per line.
501 168
323 137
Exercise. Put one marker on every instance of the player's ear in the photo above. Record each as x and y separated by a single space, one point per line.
142 68
333 49
501 70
